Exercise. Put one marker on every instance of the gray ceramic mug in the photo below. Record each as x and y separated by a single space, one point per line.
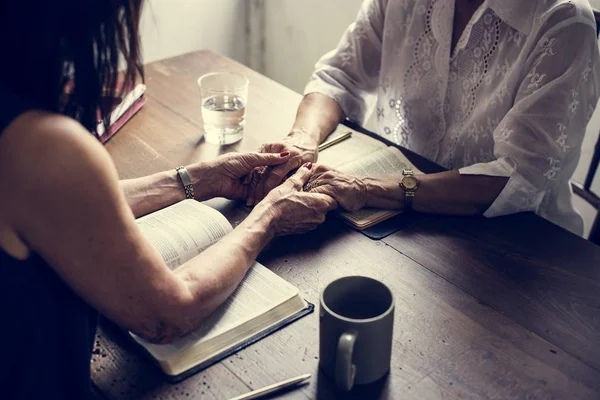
356 331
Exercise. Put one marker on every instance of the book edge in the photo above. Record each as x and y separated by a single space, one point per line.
123 119
386 214
221 356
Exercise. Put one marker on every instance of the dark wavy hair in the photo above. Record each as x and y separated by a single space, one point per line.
65 55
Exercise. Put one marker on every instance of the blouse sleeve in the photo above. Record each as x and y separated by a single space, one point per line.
349 74
547 123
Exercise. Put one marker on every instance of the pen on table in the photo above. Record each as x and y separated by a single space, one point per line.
255 394
336 140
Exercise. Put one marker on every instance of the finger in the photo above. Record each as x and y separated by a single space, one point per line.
272 148
248 178
328 202
321 189
266 159
279 173
259 186
253 187
301 177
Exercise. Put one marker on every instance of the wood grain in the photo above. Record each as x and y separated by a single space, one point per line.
270 110
485 309
540 282
446 344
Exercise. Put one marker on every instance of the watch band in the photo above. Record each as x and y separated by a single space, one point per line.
409 193
408 200
186 180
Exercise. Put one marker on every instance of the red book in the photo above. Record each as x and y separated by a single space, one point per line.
130 104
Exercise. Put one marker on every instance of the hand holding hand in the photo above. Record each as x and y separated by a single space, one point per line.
293 210
302 147
349 191
230 175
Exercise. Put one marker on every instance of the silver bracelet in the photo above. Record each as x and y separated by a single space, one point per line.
186 180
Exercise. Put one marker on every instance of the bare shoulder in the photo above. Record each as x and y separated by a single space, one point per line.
43 139
49 162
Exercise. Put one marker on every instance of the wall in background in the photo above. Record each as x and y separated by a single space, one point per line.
297 33
173 27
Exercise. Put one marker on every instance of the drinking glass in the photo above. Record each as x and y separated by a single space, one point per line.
224 96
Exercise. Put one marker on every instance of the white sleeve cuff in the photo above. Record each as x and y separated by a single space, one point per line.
494 168
517 196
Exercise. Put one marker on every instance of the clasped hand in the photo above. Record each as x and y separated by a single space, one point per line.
234 175
349 192
302 149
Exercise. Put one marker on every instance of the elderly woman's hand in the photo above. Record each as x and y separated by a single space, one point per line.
349 191
293 210
302 147
231 175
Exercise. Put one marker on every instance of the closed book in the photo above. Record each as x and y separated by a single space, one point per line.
122 111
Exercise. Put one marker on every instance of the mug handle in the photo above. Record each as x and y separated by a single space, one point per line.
344 369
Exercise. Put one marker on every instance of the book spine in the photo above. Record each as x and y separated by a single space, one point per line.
118 110
114 128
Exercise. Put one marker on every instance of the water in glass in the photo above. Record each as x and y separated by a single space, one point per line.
224 117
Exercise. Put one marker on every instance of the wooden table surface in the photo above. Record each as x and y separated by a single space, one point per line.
501 308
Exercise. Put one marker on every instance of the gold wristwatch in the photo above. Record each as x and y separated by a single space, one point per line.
409 184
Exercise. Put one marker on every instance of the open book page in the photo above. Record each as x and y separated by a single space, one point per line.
183 230
386 161
260 291
357 147
383 162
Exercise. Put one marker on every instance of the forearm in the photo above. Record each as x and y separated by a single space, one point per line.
153 192
318 115
212 276
443 193
179 301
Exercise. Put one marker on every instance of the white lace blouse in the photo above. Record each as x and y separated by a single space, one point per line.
513 100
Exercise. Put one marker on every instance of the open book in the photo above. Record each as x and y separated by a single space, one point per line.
261 304
362 155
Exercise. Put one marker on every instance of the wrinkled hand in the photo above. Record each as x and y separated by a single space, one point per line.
302 148
293 210
349 191
231 174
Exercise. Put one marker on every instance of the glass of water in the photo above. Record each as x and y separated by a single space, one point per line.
224 96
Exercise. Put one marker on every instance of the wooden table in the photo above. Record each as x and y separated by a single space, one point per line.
501 308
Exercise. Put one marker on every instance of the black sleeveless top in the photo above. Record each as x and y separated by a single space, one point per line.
46 330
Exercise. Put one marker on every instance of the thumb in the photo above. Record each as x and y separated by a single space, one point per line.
266 159
327 202
301 177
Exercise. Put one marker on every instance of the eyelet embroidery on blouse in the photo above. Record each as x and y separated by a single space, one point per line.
422 57
554 168
481 55
535 79
585 75
562 138
574 101
485 68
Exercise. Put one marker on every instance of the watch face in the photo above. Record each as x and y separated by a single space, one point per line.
410 182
